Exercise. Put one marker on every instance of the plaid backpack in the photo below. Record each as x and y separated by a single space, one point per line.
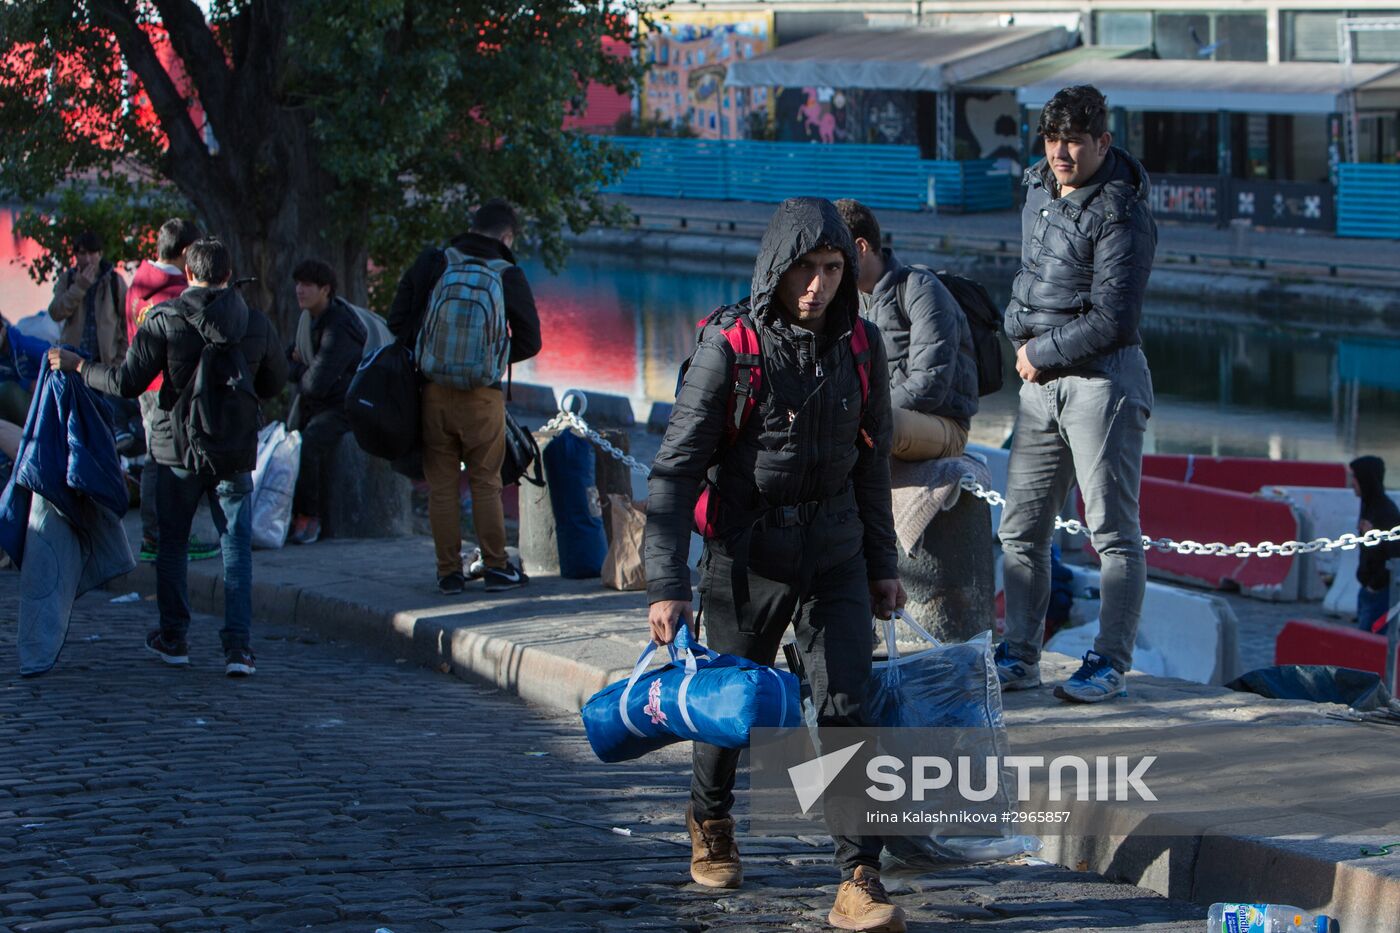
465 342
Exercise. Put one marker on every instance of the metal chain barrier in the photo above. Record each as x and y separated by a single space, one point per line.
1347 542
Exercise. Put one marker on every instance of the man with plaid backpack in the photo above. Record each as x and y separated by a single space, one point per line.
468 312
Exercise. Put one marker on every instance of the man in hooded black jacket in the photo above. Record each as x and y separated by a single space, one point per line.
804 530
170 342
1377 512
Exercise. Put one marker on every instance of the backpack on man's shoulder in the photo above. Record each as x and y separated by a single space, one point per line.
984 319
465 339
216 417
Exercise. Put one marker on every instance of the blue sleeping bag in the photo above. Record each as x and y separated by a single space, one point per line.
573 496
698 696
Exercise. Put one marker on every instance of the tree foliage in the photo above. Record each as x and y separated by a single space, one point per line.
357 132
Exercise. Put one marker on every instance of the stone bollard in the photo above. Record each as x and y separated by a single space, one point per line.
611 475
539 551
951 576
367 499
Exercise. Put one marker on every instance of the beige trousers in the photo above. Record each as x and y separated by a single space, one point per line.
464 427
918 436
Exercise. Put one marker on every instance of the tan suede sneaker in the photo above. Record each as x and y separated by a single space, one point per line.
714 856
862 904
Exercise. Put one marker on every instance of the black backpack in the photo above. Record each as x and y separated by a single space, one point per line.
382 403
984 319
521 453
216 417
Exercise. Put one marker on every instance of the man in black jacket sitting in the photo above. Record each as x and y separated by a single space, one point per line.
324 356
171 342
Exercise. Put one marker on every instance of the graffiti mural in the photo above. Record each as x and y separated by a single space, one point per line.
691 54
830 115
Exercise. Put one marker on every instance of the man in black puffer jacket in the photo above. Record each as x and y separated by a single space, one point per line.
1088 243
170 342
804 533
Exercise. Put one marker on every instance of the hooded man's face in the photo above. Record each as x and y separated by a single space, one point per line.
809 285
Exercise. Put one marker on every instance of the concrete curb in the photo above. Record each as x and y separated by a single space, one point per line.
453 638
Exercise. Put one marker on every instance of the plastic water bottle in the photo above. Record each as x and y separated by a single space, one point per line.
1266 918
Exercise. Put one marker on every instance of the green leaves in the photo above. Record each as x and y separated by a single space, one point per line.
356 129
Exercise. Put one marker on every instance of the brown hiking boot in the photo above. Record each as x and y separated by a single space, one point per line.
862 904
714 857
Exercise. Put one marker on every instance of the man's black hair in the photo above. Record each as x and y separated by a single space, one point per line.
87 242
496 218
315 272
175 234
861 221
208 260
1074 110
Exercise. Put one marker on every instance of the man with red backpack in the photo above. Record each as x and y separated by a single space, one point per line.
781 429
468 313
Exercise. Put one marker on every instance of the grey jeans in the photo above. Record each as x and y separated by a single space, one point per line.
1089 428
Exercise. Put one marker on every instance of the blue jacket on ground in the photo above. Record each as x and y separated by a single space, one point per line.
67 455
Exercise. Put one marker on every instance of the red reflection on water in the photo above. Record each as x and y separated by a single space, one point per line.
19 296
590 341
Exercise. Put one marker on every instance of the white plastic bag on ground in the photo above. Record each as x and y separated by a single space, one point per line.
274 484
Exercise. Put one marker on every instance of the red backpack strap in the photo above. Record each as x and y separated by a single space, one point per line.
748 374
860 352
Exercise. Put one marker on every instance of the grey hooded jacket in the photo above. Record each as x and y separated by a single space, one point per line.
1085 260
802 442
928 342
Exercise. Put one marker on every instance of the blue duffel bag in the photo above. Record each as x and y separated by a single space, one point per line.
698 696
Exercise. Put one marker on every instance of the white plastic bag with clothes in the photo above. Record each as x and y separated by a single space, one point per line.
945 686
275 484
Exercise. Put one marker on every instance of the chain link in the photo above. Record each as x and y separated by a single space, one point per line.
1346 542
567 419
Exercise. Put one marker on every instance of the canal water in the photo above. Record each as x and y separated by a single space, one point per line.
1226 383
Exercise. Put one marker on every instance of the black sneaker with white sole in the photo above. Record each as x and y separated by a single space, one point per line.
238 662
509 579
171 651
452 584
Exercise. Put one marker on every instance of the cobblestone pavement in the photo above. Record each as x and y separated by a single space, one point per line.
340 790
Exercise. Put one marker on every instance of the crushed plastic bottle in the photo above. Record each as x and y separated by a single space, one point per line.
1266 918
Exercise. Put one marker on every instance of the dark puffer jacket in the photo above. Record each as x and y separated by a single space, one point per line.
928 341
338 341
1085 260
801 444
171 340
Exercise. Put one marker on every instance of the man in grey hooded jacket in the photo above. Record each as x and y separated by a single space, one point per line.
933 372
1088 241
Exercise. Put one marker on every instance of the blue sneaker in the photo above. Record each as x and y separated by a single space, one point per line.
1014 673
1095 681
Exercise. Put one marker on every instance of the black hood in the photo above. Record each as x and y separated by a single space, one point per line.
219 314
1376 507
799 226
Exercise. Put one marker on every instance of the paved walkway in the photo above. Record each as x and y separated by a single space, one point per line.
559 641
345 789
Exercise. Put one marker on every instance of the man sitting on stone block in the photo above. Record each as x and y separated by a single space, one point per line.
329 343
933 372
